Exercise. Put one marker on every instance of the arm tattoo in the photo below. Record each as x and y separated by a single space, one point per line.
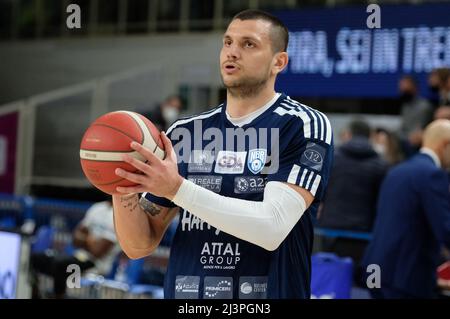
130 203
149 207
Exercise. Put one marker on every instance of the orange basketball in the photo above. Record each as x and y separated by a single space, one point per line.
107 139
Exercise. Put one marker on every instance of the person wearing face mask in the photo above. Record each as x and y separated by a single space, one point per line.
413 220
166 113
416 113
387 145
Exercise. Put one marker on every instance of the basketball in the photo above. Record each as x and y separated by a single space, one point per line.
107 139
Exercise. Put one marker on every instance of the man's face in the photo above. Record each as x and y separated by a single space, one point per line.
433 80
246 56
406 86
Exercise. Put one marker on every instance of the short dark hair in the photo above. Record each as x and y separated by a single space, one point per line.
360 128
279 35
173 97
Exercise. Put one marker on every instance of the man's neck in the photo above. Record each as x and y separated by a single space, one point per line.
433 153
239 107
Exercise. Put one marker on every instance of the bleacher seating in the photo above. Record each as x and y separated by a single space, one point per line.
43 239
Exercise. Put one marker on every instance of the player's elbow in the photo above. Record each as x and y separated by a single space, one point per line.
137 253
274 230
270 246
273 239
133 254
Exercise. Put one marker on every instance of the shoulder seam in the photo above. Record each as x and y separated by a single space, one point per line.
188 119
312 119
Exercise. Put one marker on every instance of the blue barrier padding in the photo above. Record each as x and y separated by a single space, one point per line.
41 210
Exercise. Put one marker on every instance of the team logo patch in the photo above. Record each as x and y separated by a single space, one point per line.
230 162
313 156
256 160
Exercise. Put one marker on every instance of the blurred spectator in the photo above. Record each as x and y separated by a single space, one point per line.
166 113
442 112
446 91
352 191
387 145
354 182
439 84
416 113
413 219
97 247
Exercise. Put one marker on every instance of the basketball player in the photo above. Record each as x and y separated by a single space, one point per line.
245 224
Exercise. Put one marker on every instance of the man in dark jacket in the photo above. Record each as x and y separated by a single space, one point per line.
413 220
350 203
355 179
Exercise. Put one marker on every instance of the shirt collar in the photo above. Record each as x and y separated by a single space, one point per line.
241 121
432 154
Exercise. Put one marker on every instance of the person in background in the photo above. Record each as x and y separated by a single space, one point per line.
352 192
166 113
387 145
439 85
96 247
416 113
413 220
443 112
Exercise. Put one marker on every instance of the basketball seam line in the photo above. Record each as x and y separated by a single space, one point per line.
124 133
143 134
100 161
99 151
140 129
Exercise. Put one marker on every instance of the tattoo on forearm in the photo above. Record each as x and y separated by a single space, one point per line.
149 207
130 203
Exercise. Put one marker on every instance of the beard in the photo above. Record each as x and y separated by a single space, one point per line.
246 86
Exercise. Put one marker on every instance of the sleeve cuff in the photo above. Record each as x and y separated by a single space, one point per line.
185 194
